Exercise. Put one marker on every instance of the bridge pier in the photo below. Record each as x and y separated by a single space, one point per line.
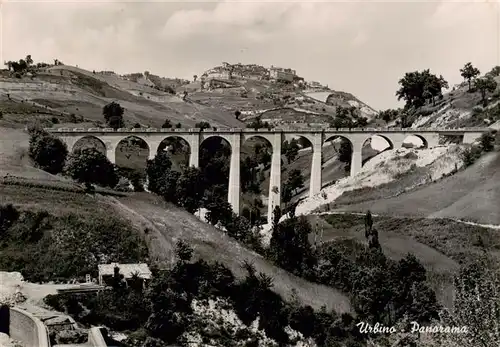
275 179
317 153
234 173
194 147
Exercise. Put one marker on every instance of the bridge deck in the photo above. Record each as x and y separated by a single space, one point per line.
240 130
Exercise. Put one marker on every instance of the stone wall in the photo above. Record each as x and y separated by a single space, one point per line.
23 327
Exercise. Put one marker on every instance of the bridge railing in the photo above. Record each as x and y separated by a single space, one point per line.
265 130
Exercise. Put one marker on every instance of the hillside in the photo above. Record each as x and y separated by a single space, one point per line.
462 107
72 95
67 94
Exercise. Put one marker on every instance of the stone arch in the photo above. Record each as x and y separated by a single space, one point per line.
412 141
210 147
269 137
206 136
178 148
375 147
255 175
336 163
92 141
300 158
132 152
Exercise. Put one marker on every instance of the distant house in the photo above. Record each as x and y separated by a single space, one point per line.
314 84
107 271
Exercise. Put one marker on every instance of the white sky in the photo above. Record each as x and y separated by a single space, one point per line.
359 47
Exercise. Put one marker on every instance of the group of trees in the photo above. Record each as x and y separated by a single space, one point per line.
381 290
484 85
44 246
347 117
25 65
168 124
162 313
20 66
418 87
86 165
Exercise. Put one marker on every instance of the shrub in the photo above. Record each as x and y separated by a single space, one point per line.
470 155
477 110
487 142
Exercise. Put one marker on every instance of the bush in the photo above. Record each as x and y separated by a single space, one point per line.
487 142
477 110
470 155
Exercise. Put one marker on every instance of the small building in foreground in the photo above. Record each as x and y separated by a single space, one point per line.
107 271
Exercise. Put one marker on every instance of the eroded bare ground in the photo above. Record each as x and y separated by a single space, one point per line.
472 194
166 224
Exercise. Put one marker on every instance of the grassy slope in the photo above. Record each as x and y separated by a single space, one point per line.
472 194
167 223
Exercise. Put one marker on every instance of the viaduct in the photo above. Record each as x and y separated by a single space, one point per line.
110 138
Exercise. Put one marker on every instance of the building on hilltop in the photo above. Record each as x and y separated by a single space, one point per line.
281 74
106 271
314 84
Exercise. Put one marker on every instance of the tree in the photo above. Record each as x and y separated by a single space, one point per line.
183 251
291 150
178 125
417 86
276 218
48 152
485 85
368 223
362 122
137 125
487 141
167 124
190 189
219 209
237 114
113 115
89 166
202 125
345 151
195 77
295 180
469 72
116 122
289 247
476 305
28 60
117 280
156 171
8 64
8 216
